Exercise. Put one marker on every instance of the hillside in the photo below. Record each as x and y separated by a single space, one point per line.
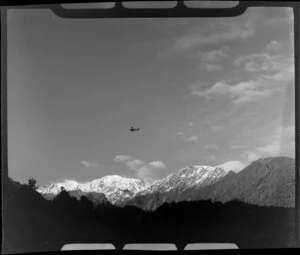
33 223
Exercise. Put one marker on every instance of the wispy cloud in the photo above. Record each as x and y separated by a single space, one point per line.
157 164
189 138
270 71
214 56
210 60
188 35
88 164
227 30
243 92
122 158
273 58
135 164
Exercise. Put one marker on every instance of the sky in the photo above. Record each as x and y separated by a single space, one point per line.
203 91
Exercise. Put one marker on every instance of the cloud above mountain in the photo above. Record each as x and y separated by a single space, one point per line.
147 171
235 166
157 164
135 164
121 158
88 164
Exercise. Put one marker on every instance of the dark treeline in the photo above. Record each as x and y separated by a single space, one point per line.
33 223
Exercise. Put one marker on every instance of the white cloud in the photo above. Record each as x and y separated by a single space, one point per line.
246 91
210 59
224 30
135 164
193 34
122 158
148 172
213 55
211 147
193 138
270 71
235 166
286 74
151 171
191 124
88 164
217 88
273 58
157 164
254 95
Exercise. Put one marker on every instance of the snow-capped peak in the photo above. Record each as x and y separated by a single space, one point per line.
55 188
114 187
186 178
118 190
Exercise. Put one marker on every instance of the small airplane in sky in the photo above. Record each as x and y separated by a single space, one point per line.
133 129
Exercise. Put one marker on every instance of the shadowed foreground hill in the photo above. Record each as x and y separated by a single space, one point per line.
33 223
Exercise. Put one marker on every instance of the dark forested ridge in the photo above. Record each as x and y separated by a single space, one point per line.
33 223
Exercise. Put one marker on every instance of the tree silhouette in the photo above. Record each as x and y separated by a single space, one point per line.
32 183
33 223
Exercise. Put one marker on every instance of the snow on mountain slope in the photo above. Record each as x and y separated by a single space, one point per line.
171 188
128 191
55 188
267 181
186 178
117 189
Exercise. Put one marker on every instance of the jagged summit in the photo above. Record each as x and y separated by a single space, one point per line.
116 188
177 186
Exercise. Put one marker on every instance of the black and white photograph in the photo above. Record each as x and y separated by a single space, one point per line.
150 130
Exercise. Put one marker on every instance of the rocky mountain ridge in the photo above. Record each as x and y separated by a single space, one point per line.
266 181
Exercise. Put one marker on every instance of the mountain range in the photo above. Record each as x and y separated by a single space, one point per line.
266 182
